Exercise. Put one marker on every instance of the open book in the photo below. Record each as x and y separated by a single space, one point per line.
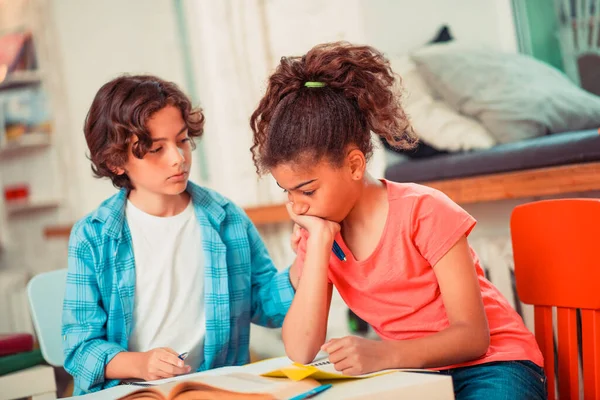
231 386
322 369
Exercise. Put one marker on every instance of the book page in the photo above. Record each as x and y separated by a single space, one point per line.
225 386
185 377
152 393
247 383
264 366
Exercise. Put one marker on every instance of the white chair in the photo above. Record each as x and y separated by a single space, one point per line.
46 294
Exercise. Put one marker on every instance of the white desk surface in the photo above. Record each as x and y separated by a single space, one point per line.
405 382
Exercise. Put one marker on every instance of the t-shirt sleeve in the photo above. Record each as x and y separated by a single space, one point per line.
437 225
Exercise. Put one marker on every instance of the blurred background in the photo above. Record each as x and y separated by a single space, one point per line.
503 94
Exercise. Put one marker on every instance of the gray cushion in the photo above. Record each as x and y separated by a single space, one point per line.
547 151
515 96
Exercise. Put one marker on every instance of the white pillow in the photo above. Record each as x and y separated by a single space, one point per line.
515 96
432 119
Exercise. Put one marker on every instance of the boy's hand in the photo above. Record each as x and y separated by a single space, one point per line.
353 355
162 363
318 228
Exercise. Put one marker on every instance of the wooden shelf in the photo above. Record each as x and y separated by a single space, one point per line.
14 208
258 215
57 231
549 181
26 143
21 78
512 185
271 214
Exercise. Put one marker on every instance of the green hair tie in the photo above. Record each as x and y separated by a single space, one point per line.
314 84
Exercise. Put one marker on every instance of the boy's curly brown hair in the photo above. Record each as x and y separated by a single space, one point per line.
120 111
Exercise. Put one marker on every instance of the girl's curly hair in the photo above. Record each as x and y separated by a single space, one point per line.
359 95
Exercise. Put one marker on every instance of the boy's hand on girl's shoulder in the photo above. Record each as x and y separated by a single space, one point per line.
353 355
160 363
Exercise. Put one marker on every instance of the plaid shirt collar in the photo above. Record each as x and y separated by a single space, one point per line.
112 211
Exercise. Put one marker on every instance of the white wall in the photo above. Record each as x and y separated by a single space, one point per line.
82 44
97 41
399 26
22 247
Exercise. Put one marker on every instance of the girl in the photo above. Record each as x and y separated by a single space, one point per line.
408 271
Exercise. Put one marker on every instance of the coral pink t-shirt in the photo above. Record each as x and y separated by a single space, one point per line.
395 289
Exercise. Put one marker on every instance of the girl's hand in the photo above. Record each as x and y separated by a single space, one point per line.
319 229
353 355
295 238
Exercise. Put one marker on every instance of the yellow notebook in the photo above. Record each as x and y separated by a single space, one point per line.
322 369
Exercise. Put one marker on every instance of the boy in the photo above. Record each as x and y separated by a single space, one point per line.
163 267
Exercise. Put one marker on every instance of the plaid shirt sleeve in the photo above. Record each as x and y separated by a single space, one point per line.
87 352
272 291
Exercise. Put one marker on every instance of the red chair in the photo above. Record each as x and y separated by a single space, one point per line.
556 246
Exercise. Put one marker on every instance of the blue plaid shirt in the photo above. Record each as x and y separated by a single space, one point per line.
241 286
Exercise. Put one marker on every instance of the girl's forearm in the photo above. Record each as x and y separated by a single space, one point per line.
454 345
305 326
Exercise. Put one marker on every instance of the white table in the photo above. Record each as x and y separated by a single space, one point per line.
401 384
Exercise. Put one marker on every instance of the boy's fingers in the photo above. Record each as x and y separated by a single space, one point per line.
172 359
170 350
167 369
159 375
172 370
164 370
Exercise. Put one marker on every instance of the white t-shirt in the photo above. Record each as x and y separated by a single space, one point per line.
169 286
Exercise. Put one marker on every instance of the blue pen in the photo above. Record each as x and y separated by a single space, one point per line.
337 250
313 392
183 356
